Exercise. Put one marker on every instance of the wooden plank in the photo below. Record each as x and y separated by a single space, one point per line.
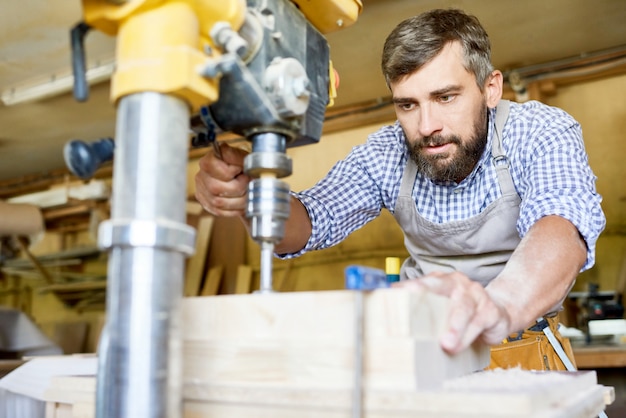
500 393
196 263
74 287
492 394
84 410
228 248
281 281
23 243
244 279
50 410
58 410
307 340
193 208
71 389
212 281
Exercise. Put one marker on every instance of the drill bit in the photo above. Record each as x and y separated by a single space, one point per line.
267 251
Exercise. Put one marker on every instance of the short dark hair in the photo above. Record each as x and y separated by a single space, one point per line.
417 40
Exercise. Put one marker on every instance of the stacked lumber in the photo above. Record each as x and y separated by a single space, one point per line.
490 394
71 397
308 340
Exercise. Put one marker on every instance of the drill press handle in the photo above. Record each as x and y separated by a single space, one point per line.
84 158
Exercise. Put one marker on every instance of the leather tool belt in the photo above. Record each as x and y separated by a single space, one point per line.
531 350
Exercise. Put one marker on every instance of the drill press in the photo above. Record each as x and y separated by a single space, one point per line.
275 95
263 67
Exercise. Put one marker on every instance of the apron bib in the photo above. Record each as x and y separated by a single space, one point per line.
478 246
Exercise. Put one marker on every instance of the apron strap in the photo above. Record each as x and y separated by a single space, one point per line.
500 160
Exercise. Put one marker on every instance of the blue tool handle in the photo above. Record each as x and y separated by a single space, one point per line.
365 278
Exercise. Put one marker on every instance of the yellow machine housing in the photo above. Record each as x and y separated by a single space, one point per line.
162 43
330 15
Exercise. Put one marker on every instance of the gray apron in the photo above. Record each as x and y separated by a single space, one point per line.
479 246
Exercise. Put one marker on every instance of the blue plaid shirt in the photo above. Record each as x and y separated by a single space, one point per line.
547 160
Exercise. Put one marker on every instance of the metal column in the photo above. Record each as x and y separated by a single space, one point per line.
140 366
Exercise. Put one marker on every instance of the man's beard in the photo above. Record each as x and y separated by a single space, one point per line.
446 168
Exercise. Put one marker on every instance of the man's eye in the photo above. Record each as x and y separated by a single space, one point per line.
447 98
407 106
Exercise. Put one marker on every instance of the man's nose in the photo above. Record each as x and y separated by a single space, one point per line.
430 121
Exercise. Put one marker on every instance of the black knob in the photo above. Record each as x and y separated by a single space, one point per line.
83 159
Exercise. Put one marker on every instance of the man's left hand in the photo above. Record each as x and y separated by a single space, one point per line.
472 315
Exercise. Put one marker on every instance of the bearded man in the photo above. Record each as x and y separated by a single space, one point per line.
496 200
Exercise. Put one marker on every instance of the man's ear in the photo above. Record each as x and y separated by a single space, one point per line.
493 88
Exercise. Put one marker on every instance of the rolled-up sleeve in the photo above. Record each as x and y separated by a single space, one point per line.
559 181
355 190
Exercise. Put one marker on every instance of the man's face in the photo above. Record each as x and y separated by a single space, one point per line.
444 116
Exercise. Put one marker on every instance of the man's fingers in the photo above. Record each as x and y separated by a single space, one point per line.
221 186
472 313
464 300
223 169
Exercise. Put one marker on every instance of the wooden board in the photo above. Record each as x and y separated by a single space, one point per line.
551 396
244 279
491 394
196 263
291 355
212 281
307 340
228 249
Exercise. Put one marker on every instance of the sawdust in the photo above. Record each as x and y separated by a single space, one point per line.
507 380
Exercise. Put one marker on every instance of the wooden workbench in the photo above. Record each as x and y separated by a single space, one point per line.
339 354
511 393
600 356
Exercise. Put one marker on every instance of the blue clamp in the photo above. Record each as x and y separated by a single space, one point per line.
365 278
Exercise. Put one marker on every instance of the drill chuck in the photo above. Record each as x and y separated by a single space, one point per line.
268 209
269 201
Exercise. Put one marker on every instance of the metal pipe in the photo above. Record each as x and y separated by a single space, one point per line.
588 59
140 372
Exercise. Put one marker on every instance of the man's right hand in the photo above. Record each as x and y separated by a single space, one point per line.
221 185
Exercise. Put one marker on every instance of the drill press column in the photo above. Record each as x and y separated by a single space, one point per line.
268 197
140 370
156 87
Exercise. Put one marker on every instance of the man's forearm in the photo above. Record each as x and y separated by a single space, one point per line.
540 272
297 229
